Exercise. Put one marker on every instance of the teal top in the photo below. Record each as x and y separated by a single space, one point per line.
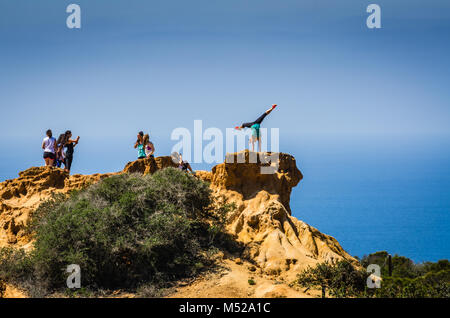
141 151
255 130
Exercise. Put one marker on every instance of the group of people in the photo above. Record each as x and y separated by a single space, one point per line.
145 147
59 152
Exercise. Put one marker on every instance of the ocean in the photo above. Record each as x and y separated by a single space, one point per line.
375 194
370 193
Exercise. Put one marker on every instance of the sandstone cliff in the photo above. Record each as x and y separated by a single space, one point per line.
19 197
277 243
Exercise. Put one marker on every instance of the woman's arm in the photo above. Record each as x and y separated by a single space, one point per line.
74 141
43 145
138 141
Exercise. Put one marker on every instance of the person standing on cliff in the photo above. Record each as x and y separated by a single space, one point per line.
139 144
60 155
49 145
69 144
255 126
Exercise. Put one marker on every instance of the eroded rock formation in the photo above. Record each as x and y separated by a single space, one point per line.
276 241
19 197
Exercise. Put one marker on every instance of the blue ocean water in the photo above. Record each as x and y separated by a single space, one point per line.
375 194
370 193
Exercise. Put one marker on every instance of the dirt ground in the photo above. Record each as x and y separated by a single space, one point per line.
240 280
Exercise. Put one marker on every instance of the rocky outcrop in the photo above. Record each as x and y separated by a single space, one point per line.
242 177
146 166
19 197
275 241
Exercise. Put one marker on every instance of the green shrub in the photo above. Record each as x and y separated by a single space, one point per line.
410 280
396 287
14 264
341 278
126 231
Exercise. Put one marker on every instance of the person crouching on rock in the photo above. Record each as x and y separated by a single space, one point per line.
49 146
139 144
184 165
69 144
255 126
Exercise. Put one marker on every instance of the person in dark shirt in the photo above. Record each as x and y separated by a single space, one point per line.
69 144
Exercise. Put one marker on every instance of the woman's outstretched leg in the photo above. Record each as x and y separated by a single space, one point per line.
257 125
263 116
259 120
267 112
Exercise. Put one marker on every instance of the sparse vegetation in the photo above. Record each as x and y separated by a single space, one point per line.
408 280
126 231
340 278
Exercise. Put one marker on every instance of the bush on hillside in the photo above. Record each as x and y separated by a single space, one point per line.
125 231
410 280
340 278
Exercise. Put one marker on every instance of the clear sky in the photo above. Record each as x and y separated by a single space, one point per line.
157 65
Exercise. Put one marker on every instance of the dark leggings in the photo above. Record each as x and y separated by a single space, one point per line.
68 162
258 121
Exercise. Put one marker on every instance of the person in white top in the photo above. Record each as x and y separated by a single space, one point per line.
148 147
49 145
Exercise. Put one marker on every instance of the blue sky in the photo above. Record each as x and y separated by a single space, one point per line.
157 65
